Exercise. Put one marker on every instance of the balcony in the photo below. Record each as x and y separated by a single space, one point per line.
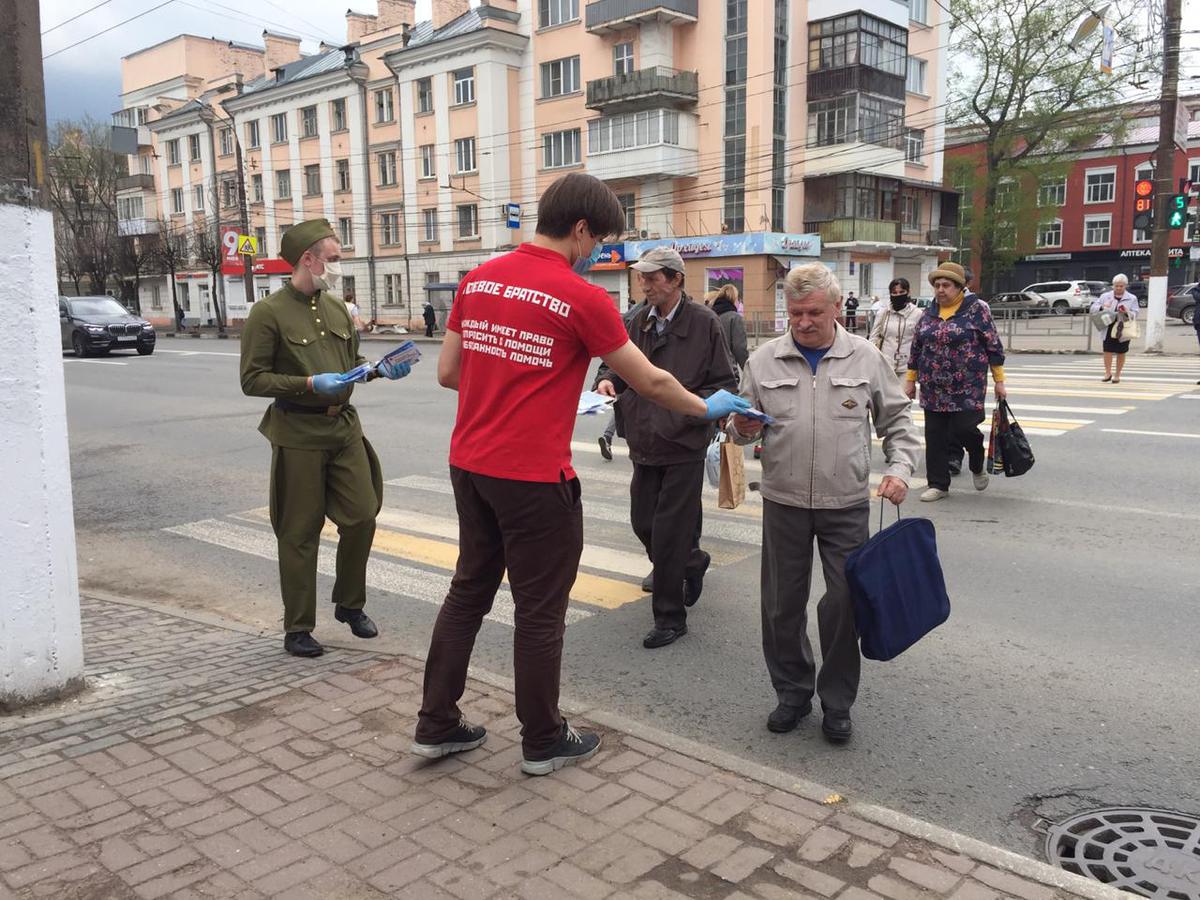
606 16
847 231
826 83
136 227
657 86
135 183
656 143
942 236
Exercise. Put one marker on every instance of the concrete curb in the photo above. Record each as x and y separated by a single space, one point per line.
980 851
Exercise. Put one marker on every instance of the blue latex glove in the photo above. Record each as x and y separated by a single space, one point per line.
393 370
327 383
723 403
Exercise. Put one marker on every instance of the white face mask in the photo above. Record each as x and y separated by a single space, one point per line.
328 281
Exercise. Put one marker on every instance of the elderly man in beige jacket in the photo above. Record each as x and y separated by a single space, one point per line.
824 387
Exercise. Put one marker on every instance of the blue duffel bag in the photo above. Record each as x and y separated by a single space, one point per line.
897 586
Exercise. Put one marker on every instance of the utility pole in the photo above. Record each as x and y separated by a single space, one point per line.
247 258
1164 178
41 646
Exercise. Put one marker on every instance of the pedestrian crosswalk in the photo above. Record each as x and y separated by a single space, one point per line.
416 548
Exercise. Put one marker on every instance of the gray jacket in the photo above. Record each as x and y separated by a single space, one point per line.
818 453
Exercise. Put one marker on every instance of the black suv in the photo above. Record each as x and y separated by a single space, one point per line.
100 324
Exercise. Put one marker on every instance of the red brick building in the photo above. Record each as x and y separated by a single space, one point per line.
1090 235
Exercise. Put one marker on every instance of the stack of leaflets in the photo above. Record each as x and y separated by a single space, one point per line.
405 353
591 403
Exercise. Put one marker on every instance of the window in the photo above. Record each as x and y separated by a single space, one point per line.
348 287
252 138
312 180
1147 172
346 231
433 277
130 208
424 95
197 199
279 128
1100 186
918 11
256 188
915 83
391 290
468 221
173 152
561 148
623 59
560 76
629 210
155 296
855 118
389 228
1142 236
229 195
338 110
226 138
1006 193
1050 234
283 184
194 147
387 168
914 145
1097 231
910 212
146 163
343 174
176 200
384 110
628 130
428 164
429 225
1052 192
857 39
1005 236
308 122
556 12
185 302
464 86
464 154
260 235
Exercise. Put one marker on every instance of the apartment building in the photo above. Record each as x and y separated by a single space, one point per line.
751 134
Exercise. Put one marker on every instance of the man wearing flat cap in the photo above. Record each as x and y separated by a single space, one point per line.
668 448
296 345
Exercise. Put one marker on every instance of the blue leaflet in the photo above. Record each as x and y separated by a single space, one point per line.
760 415
358 373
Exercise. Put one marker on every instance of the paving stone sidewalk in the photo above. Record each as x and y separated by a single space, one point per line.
203 762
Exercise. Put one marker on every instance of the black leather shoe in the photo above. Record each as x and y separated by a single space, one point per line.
836 725
660 637
785 717
694 585
648 583
302 643
360 623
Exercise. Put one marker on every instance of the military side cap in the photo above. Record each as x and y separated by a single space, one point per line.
303 235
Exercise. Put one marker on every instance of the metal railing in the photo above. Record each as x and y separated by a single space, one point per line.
604 11
846 230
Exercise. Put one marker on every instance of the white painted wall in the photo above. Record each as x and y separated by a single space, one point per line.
41 646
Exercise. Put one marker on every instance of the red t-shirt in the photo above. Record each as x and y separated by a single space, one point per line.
530 327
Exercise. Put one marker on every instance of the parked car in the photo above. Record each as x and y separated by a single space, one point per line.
97 325
1141 290
1183 304
1022 304
1068 297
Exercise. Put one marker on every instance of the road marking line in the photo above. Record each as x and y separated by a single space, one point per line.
419 584
1178 434
196 352
94 362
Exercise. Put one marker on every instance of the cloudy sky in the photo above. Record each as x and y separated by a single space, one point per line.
86 79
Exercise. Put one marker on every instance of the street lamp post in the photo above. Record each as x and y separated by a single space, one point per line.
247 258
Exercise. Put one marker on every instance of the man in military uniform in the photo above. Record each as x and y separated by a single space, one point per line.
296 345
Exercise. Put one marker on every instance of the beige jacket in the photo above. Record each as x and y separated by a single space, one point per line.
893 334
818 453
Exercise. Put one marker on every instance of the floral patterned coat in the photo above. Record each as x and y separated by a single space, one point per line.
951 356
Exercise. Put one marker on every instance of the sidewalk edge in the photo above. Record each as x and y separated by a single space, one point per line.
980 851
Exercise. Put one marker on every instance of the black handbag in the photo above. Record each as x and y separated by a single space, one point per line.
1015 451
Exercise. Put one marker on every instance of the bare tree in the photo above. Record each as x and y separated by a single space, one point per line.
173 253
1033 96
208 252
136 256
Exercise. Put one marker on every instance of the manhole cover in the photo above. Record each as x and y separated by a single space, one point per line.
1152 852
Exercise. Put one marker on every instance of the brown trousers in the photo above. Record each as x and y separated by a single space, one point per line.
535 530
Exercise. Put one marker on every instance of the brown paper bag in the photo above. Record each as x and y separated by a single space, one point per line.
732 489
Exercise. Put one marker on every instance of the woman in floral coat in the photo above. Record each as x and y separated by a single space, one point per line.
954 346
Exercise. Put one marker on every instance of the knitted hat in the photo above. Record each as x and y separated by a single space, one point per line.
950 270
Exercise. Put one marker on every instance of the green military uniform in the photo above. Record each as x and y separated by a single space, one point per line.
321 465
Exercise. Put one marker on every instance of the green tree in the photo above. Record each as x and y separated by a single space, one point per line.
1029 96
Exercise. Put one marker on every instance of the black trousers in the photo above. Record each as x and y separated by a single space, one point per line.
947 430
665 512
535 531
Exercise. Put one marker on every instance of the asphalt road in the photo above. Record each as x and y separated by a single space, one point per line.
1065 679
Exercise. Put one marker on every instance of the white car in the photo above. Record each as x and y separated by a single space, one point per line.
1068 297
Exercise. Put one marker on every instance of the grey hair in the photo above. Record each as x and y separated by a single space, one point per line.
1124 279
812 278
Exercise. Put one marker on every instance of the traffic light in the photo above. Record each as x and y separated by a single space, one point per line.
1177 211
1143 205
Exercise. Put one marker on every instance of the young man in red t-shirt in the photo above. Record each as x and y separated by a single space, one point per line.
522 332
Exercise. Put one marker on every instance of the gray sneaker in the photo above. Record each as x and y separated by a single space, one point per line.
573 747
464 737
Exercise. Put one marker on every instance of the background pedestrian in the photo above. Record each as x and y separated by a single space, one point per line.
896 325
1124 306
732 325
